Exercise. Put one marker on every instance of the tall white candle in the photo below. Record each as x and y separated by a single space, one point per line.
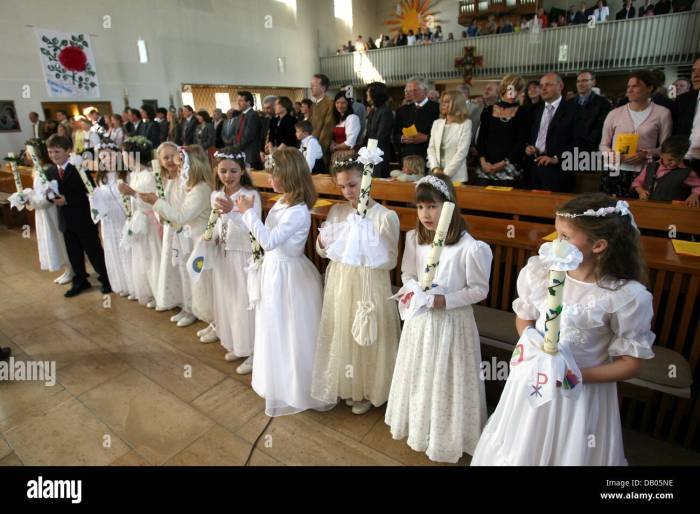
431 265
155 164
555 300
366 184
209 231
86 181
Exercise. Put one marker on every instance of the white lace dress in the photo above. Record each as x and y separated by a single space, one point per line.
343 368
232 251
437 397
288 313
107 200
169 290
597 324
145 240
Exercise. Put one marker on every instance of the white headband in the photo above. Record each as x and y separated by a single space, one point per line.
621 207
436 183
240 156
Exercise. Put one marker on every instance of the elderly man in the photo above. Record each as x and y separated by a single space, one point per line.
686 117
551 135
37 126
590 111
415 119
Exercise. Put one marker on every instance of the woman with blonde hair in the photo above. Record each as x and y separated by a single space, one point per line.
188 214
450 137
503 132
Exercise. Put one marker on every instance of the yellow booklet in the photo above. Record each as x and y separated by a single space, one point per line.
550 237
686 247
498 188
410 131
322 203
626 144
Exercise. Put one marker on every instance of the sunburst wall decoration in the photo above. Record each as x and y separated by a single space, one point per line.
412 15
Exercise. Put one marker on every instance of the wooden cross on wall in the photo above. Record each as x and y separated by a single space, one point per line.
467 63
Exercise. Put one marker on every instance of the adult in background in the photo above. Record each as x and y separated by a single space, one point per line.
686 117
347 130
162 123
322 112
417 115
218 122
450 137
503 132
551 136
189 126
247 130
590 111
648 120
380 124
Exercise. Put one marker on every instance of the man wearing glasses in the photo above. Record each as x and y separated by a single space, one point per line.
590 111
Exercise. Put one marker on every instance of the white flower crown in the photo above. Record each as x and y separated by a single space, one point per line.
621 207
240 156
435 183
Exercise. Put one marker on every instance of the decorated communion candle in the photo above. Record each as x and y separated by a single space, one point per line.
155 163
125 202
366 184
209 231
426 281
15 174
555 299
86 181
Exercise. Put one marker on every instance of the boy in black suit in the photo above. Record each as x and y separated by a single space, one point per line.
74 220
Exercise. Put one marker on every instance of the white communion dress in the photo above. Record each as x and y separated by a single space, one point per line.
343 368
437 397
169 289
235 322
49 239
288 313
598 323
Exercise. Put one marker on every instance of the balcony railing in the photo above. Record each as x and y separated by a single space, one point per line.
670 39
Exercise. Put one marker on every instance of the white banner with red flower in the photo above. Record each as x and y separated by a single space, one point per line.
68 64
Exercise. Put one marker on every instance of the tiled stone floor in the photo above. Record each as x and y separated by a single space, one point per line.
122 397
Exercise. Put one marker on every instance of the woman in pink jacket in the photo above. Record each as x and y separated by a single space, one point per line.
649 121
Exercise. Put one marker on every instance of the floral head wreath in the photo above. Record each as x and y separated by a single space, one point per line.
240 156
344 164
270 163
621 207
436 183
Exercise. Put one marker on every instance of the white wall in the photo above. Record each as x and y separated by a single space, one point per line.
189 41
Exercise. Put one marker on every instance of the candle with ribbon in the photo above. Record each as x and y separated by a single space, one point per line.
426 281
37 164
15 172
370 156
562 257
19 199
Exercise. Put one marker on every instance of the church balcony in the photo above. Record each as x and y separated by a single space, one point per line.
612 46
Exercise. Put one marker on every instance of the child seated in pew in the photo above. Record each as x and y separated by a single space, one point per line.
669 178
413 169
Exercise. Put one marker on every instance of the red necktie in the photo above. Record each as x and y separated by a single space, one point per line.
240 129
61 173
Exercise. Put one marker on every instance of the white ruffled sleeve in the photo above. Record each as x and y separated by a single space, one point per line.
352 130
532 284
408 262
478 271
631 323
196 200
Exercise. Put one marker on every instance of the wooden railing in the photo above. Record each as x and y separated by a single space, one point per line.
666 40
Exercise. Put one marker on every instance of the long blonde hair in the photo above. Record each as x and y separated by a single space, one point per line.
163 146
291 168
200 167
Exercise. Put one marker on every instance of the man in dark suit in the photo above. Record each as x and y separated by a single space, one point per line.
551 137
227 127
590 111
189 125
97 121
37 126
686 117
419 112
150 129
74 219
626 12
162 123
247 129
128 125
218 120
